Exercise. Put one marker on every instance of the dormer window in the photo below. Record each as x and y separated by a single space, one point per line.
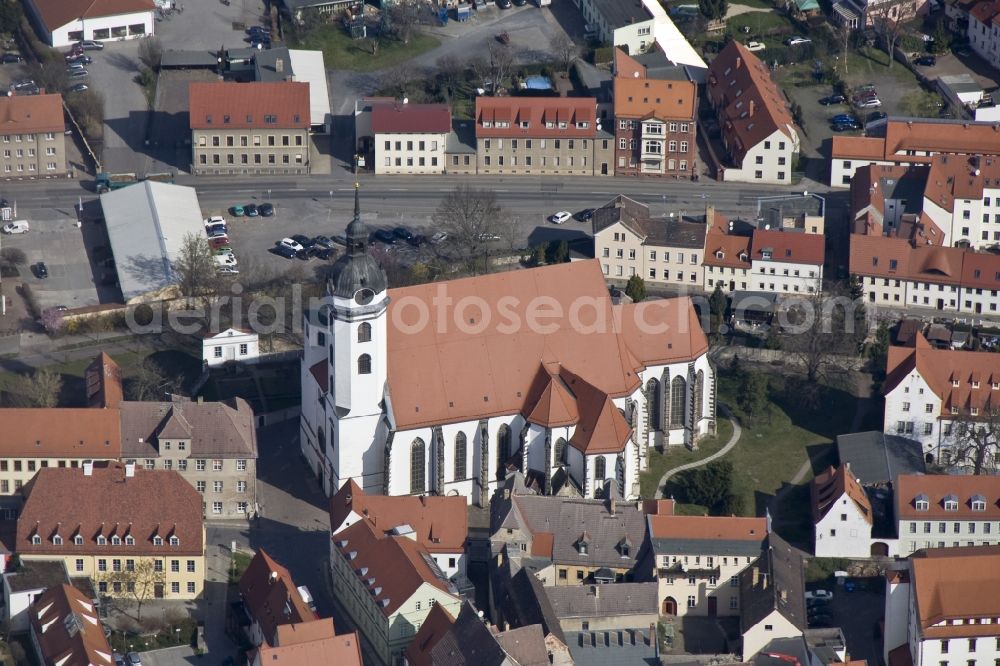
719 254
101 541
950 503
582 547
975 385
583 544
78 540
157 541
995 386
922 503
765 253
978 503
116 540
130 540
57 540
974 411
36 540
174 541
954 383
954 410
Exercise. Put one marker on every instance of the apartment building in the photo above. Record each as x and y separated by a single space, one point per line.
697 561
271 600
655 119
726 262
757 128
541 135
626 23
910 142
941 608
611 608
32 136
666 251
786 262
772 596
947 511
65 628
213 445
110 522
387 583
409 138
842 514
258 128
984 30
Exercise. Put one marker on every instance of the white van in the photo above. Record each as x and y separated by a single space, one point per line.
16 227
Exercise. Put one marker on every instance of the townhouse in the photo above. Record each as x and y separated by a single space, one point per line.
726 260
756 125
232 345
664 251
519 601
258 128
697 561
408 138
604 607
947 511
984 30
865 13
65 628
438 523
888 200
272 601
541 135
322 648
786 262
654 119
842 514
772 596
32 136
909 142
387 583
109 522
941 608
626 23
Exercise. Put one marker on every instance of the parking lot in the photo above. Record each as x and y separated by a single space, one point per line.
857 614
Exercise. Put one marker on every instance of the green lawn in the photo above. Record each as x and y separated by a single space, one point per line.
342 52
679 455
869 61
760 24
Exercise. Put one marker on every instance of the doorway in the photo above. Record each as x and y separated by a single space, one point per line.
158 590
669 606
713 607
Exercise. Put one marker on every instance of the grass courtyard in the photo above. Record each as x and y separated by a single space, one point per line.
342 52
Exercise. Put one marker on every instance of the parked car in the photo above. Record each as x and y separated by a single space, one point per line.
20 84
227 270
402 233
844 127
755 46
77 74
16 227
133 657
817 603
265 210
258 30
833 99
503 4
795 40
236 211
585 214
72 66
871 103
216 230
926 61
876 115
340 239
560 217
118 658
225 260
323 241
305 242
488 236
218 241
214 219
286 252
290 244
250 210
323 252
11 58
79 87
520 3
91 45
79 58
41 270
224 250
818 594
439 238
843 118
384 235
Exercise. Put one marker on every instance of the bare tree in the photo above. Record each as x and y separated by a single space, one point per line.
151 382
40 389
975 441
374 41
404 16
481 68
888 27
194 267
49 75
500 62
471 217
396 80
451 69
566 50
151 52
138 582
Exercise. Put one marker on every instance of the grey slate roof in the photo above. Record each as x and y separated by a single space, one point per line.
37 575
656 231
876 457
462 138
701 546
596 82
603 600
468 642
658 66
265 64
780 585
619 13
523 602
626 647
525 645
176 58
217 429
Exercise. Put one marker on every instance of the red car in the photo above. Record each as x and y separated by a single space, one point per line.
218 241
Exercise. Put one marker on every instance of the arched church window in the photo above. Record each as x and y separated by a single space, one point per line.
417 454
364 364
365 332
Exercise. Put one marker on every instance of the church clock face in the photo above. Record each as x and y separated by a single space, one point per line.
364 296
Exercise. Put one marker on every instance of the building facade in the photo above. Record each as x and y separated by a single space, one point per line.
842 514
409 138
230 345
772 596
786 262
33 137
630 25
946 511
259 128
65 629
64 22
541 135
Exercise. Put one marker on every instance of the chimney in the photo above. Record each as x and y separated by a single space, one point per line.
756 576
279 65
763 581
129 470
709 217
88 467
751 108
201 399
612 501
596 589
784 596
273 577
739 62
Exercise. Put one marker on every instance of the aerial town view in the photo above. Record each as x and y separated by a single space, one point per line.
500 332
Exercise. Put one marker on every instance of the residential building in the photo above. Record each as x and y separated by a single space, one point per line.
541 135
328 649
284 64
520 601
947 511
757 127
453 423
294 8
387 583
212 445
271 601
32 136
697 560
22 587
866 13
439 524
726 260
984 30
941 607
625 23
229 346
66 629
888 200
460 149
877 458
108 521
805 212
910 142
435 626
772 596
407 138
604 607
842 514
632 647
569 541
655 120
63 22
665 251
786 262
259 128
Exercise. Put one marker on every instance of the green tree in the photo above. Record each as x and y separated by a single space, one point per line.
194 267
717 304
942 38
636 288
753 398
541 250
560 252
878 352
10 15
711 487
39 389
713 10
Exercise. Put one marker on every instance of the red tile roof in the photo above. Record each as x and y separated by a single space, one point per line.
57 13
960 177
438 622
957 587
31 114
64 501
272 598
544 115
790 247
654 98
343 650
858 147
441 523
411 118
61 432
829 486
104 382
249 105
750 104
726 250
897 258
910 140
67 628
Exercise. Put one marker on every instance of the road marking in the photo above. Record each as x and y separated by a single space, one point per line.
501 190
403 189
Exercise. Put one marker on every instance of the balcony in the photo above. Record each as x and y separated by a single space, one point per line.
678 569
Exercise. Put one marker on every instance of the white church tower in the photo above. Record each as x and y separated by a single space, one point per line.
341 420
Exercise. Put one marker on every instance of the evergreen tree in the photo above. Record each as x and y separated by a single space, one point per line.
636 288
